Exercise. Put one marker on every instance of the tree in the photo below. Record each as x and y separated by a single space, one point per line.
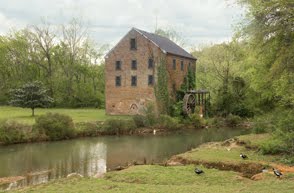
269 29
31 95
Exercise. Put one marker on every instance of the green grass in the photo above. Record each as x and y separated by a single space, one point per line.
254 140
223 155
166 179
216 152
78 115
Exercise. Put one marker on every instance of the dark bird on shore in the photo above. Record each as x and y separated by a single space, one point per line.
243 156
198 171
277 172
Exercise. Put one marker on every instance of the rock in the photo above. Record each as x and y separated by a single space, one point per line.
74 175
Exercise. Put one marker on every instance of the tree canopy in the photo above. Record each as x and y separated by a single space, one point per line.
63 58
31 95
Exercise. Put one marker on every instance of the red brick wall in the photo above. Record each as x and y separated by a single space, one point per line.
127 99
177 76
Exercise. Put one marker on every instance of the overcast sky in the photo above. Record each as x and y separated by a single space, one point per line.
197 21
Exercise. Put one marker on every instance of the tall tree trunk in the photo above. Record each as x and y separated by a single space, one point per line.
33 112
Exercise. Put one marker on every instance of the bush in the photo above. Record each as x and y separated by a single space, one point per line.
242 111
177 109
56 126
232 120
89 129
151 117
140 120
273 146
14 132
167 122
118 126
285 131
194 120
262 126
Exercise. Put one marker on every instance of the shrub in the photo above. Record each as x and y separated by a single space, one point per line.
285 131
56 126
151 117
118 126
167 122
14 132
177 109
232 120
89 129
194 120
140 120
272 146
242 111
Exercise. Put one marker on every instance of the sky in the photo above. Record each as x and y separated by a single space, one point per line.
198 22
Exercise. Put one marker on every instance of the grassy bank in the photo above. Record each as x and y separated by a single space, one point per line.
179 176
60 124
78 115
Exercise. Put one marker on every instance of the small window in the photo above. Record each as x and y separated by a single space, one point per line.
182 65
150 63
118 65
133 44
174 64
134 64
134 81
150 80
118 81
189 65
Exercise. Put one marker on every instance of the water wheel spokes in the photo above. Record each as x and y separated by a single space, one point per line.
189 104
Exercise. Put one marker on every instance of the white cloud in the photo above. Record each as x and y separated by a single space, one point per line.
198 21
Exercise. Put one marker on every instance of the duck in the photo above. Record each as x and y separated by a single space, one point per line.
277 172
243 156
198 171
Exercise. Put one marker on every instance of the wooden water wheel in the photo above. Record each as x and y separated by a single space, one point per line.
189 104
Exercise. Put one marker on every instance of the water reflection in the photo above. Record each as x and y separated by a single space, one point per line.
91 156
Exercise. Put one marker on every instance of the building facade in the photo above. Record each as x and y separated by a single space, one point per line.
130 70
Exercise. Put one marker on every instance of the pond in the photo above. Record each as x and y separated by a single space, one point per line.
91 156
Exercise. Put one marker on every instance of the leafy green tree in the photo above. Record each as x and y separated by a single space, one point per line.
31 95
65 60
268 29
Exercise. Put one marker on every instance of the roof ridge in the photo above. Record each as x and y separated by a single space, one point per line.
165 44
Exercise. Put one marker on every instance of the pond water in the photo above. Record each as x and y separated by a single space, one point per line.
89 156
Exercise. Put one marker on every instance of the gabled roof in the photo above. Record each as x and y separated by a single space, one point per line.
166 44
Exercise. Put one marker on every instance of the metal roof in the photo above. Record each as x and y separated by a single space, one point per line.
166 44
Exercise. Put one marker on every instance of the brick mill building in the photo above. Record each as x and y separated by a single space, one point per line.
130 70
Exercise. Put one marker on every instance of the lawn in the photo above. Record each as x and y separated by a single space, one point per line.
78 115
153 178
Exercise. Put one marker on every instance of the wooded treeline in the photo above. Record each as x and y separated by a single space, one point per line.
253 73
63 58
